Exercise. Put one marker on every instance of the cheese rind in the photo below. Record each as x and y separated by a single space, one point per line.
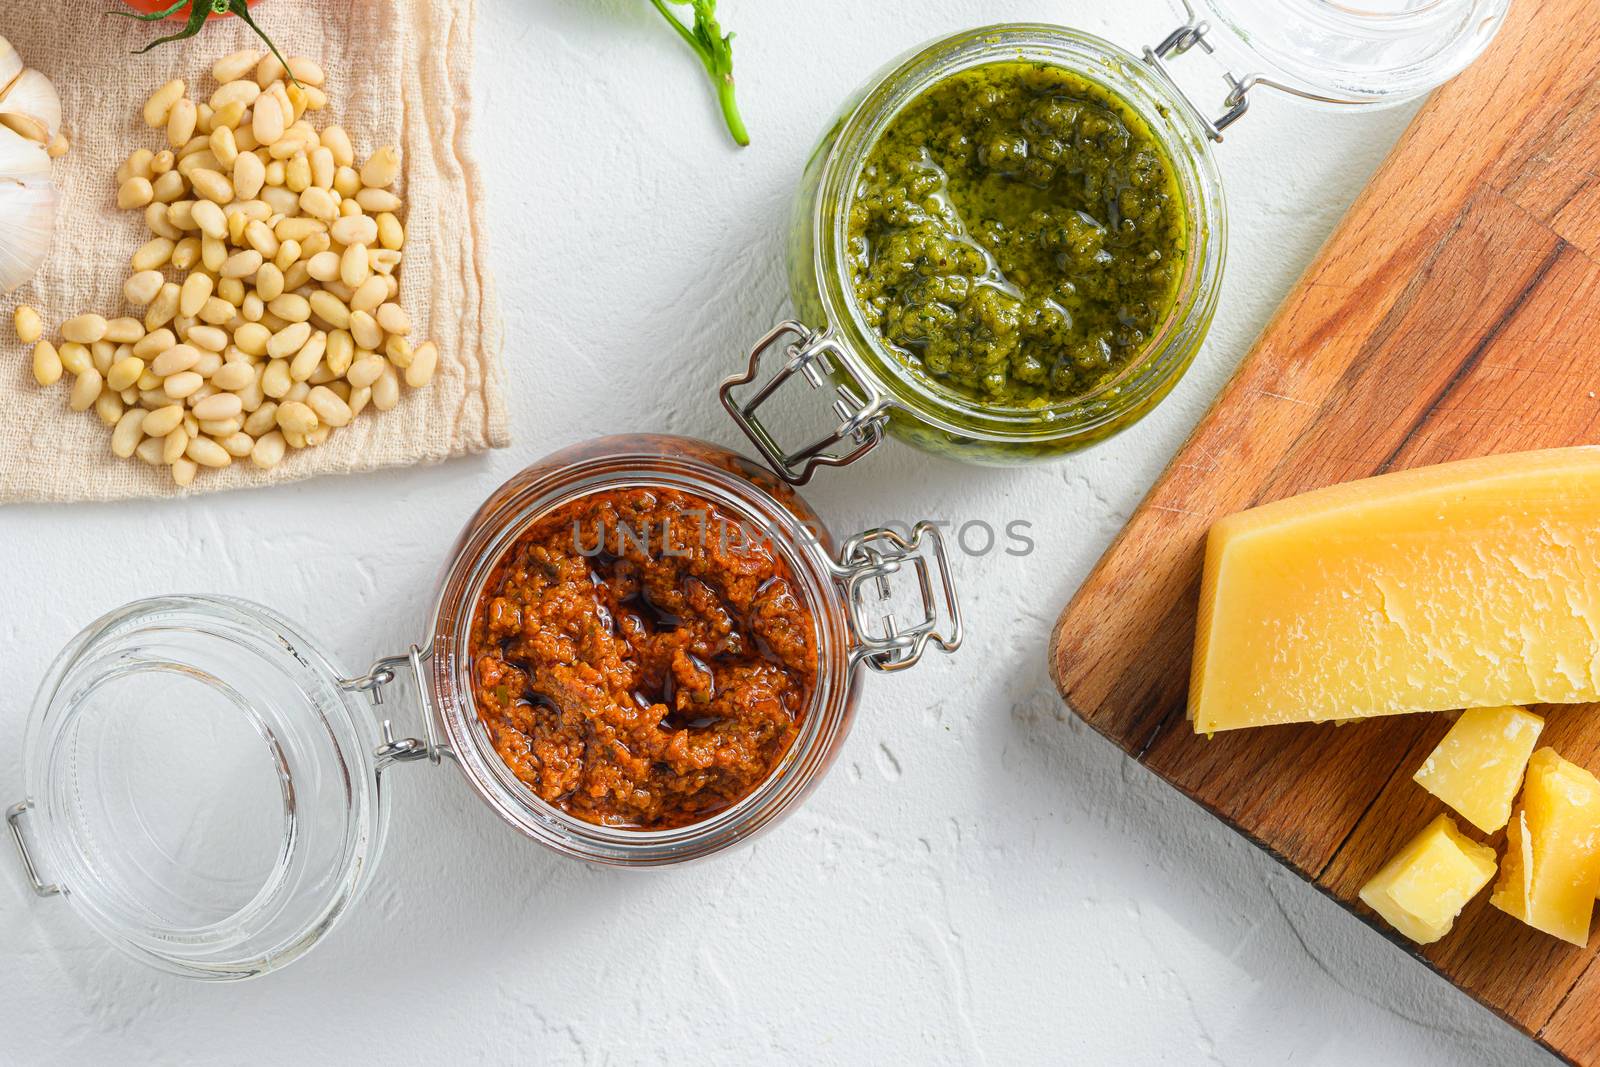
1470 584
1424 887
1551 871
1477 768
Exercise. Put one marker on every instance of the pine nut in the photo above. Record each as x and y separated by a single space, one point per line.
46 363
182 385
296 417
155 253
162 421
391 234
154 343
354 267
380 171
393 319
386 390
212 185
330 408
141 288
181 121
268 450
275 382
306 361
364 328
234 66
75 358
330 309
158 109
372 293
85 390
194 294
319 204
355 230
129 433
266 121
218 406
209 338
399 351
125 372
242 264
365 371
373 201
249 175
124 331
207 453
163 308
135 192
28 324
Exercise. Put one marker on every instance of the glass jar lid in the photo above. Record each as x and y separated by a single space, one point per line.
201 787
1344 52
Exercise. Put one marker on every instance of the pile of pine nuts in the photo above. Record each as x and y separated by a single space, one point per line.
281 325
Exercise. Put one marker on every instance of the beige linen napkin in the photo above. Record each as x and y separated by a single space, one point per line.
399 72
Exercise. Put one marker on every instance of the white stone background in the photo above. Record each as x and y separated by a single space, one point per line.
981 878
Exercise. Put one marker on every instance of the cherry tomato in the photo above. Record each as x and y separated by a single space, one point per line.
147 7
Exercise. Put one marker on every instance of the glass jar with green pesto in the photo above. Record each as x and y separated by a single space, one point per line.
1010 243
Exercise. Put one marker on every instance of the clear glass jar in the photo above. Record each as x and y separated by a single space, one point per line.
207 789
1347 54
919 410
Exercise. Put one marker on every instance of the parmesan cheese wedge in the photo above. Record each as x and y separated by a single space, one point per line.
1464 585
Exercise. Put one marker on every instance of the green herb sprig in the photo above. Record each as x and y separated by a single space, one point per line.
715 50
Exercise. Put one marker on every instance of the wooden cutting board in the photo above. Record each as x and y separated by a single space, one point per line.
1455 312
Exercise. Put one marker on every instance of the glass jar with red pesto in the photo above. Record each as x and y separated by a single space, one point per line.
644 650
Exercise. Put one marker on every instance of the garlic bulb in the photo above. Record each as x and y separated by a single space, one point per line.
22 161
30 120
10 64
27 220
30 106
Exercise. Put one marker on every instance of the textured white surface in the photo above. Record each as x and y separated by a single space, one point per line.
980 879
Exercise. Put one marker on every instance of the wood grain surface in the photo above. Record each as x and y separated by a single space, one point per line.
1455 312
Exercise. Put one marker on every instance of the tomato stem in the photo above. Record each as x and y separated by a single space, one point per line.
199 12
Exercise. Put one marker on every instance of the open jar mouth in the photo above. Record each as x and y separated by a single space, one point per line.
803 548
1175 341
206 792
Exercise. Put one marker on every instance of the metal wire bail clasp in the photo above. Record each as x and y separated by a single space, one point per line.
1237 102
1191 33
862 411
866 564
384 673
13 821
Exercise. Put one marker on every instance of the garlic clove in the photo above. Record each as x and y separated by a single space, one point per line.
27 220
10 64
22 160
31 107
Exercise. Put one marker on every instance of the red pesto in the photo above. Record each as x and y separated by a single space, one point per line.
640 660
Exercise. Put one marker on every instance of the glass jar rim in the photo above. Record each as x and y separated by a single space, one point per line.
1171 120
1351 53
311 729
501 522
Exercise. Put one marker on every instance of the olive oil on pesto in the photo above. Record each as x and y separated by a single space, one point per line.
1017 234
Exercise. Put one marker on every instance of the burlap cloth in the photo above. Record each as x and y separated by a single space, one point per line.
399 72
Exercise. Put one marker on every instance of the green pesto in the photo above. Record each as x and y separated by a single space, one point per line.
1017 234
